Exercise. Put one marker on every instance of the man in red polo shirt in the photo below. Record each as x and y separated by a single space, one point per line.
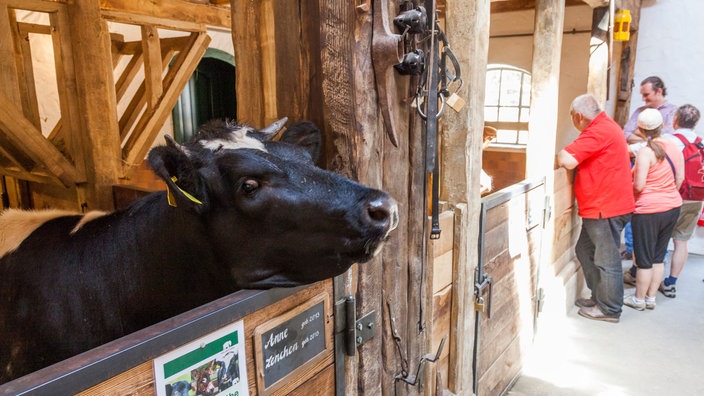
604 191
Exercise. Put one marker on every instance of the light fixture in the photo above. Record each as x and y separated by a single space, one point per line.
622 25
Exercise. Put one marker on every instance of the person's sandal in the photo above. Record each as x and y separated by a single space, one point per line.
595 313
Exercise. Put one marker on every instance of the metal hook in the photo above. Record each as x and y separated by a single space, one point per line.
442 106
413 379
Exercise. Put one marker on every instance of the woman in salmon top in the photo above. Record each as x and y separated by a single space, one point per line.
657 175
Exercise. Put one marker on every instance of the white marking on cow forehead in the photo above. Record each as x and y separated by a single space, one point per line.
238 140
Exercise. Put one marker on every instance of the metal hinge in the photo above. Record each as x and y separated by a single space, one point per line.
356 331
540 297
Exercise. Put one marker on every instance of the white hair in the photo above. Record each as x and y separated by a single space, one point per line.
586 105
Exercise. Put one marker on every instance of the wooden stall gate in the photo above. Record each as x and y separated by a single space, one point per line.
512 223
127 365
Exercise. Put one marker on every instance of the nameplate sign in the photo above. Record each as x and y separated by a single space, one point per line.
291 343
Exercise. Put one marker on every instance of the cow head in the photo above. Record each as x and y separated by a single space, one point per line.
273 217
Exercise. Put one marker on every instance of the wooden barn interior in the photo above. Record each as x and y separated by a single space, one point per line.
89 86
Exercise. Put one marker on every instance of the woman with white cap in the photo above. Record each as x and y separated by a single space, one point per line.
657 175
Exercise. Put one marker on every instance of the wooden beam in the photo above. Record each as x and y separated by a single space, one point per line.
128 74
522 5
625 83
462 137
131 114
67 89
139 143
97 133
268 44
599 54
22 133
169 14
36 5
153 68
547 49
36 177
249 81
30 105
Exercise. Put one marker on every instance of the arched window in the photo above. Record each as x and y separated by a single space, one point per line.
210 93
507 104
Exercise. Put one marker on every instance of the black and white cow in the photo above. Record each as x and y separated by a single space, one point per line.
242 211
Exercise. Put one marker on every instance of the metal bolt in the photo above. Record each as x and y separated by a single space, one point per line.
359 326
359 340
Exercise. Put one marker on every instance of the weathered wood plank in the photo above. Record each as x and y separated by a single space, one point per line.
36 5
138 381
136 148
22 133
172 14
29 105
248 57
467 29
96 136
629 49
153 68
133 110
128 74
321 384
69 132
497 378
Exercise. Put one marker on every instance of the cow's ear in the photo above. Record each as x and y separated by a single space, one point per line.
304 134
182 179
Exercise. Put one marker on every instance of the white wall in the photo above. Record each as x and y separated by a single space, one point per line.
671 46
574 66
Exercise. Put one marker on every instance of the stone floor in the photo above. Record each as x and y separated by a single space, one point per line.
659 352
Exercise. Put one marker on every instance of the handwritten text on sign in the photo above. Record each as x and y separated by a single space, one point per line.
293 343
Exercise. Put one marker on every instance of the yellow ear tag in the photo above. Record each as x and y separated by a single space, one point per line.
171 199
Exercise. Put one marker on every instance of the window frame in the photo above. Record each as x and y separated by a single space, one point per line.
518 127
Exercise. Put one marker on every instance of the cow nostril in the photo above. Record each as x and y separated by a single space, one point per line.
378 212
384 211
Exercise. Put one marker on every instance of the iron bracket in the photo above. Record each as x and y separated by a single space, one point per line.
357 331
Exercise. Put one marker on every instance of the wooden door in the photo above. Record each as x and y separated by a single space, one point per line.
510 252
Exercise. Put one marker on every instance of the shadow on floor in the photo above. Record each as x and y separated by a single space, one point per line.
658 352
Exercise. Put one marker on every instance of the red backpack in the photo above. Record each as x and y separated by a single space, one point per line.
693 185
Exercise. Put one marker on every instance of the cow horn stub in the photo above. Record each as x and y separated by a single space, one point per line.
274 128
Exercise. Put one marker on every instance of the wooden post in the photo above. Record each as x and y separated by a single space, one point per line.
625 82
547 48
17 191
98 133
246 25
599 54
468 33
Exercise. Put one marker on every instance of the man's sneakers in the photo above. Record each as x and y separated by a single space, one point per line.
628 278
633 302
667 291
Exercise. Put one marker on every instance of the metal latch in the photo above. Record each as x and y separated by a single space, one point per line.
479 304
357 331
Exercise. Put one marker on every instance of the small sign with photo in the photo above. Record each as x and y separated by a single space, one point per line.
211 365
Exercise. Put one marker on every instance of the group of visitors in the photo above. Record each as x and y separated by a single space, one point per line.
632 178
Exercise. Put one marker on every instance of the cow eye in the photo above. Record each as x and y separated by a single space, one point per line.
250 186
